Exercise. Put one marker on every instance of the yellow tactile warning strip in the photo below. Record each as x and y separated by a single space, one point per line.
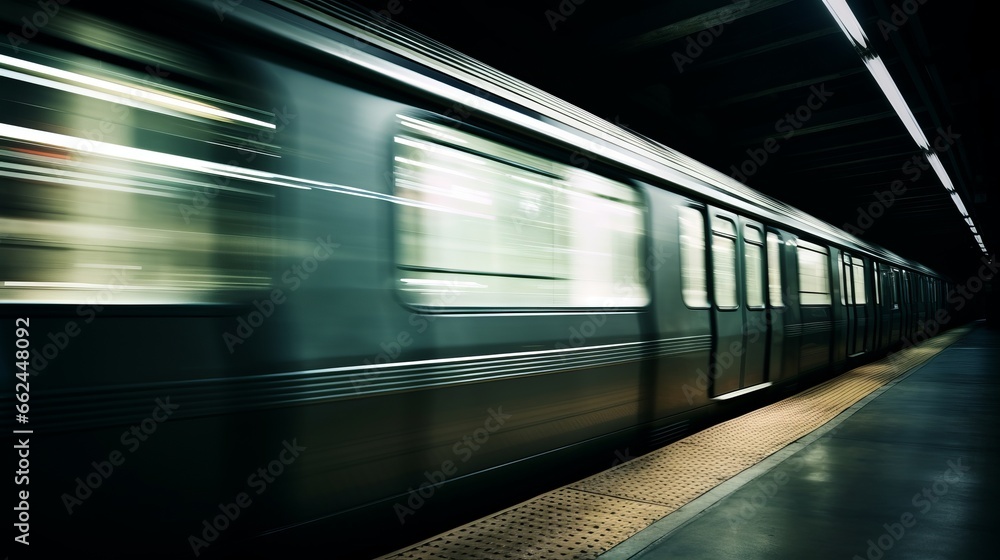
589 517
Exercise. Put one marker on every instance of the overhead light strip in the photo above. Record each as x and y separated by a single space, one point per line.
849 24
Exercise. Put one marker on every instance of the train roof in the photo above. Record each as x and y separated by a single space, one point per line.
558 120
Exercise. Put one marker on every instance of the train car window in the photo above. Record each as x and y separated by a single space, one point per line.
484 225
860 295
754 256
724 263
694 279
774 270
814 277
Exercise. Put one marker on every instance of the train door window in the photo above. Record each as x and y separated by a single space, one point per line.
860 295
485 225
877 282
814 277
753 252
724 263
694 279
894 277
774 270
845 278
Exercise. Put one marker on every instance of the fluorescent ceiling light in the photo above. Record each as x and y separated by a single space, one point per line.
881 75
935 162
849 24
958 203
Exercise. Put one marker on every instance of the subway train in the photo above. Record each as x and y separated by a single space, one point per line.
285 276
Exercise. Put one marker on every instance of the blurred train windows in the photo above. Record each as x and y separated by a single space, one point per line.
694 280
724 263
112 188
489 226
774 269
814 277
754 256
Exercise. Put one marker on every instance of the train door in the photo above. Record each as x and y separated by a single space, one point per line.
755 311
814 326
726 369
730 341
857 302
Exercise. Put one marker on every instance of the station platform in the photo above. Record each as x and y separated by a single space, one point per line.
893 459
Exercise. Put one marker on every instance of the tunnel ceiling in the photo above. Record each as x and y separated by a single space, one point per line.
773 93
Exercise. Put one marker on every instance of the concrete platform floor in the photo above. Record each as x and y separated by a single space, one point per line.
909 472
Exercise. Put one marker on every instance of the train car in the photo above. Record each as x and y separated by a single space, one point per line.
276 272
